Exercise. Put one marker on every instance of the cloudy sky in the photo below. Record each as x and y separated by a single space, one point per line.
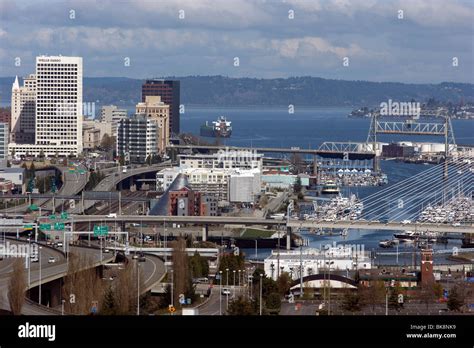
380 46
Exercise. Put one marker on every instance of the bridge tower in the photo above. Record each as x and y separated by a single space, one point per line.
411 126
372 139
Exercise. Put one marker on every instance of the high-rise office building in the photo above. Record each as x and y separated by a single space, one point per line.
59 102
169 92
58 107
23 110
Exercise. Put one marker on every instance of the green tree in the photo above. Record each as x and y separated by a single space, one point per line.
149 160
284 283
32 170
199 266
297 187
393 298
109 303
273 303
455 300
351 301
241 306
107 143
231 262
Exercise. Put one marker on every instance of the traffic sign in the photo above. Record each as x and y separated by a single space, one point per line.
28 226
64 215
101 230
45 227
52 217
59 226
171 309
33 207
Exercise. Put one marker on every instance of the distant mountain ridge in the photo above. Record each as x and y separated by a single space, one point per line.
301 91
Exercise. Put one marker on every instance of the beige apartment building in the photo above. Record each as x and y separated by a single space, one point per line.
154 108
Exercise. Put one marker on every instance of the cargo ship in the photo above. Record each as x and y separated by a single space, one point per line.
221 128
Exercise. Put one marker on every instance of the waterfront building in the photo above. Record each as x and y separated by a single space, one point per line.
313 261
223 159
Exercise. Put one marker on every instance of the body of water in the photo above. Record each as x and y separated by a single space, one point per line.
308 128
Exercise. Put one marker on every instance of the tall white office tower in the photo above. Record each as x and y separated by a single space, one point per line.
50 106
59 104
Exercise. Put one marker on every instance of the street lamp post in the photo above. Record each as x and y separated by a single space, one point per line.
220 292
172 288
239 277
301 270
329 263
29 262
138 287
62 306
261 292
234 281
227 277
39 259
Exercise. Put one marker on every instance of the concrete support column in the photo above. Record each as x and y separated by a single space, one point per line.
288 238
315 166
204 233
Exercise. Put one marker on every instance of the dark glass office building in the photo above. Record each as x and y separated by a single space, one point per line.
168 90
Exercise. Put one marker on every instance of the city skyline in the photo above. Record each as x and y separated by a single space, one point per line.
395 41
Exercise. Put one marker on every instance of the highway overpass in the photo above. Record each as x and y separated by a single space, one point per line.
293 223
73 183
110 182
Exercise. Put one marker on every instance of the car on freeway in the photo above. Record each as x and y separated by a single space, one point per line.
112 215
406 222
225 291
51 260
106 251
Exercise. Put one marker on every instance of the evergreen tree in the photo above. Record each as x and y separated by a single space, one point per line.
454 299
351 301
273 303
241 306
110 306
